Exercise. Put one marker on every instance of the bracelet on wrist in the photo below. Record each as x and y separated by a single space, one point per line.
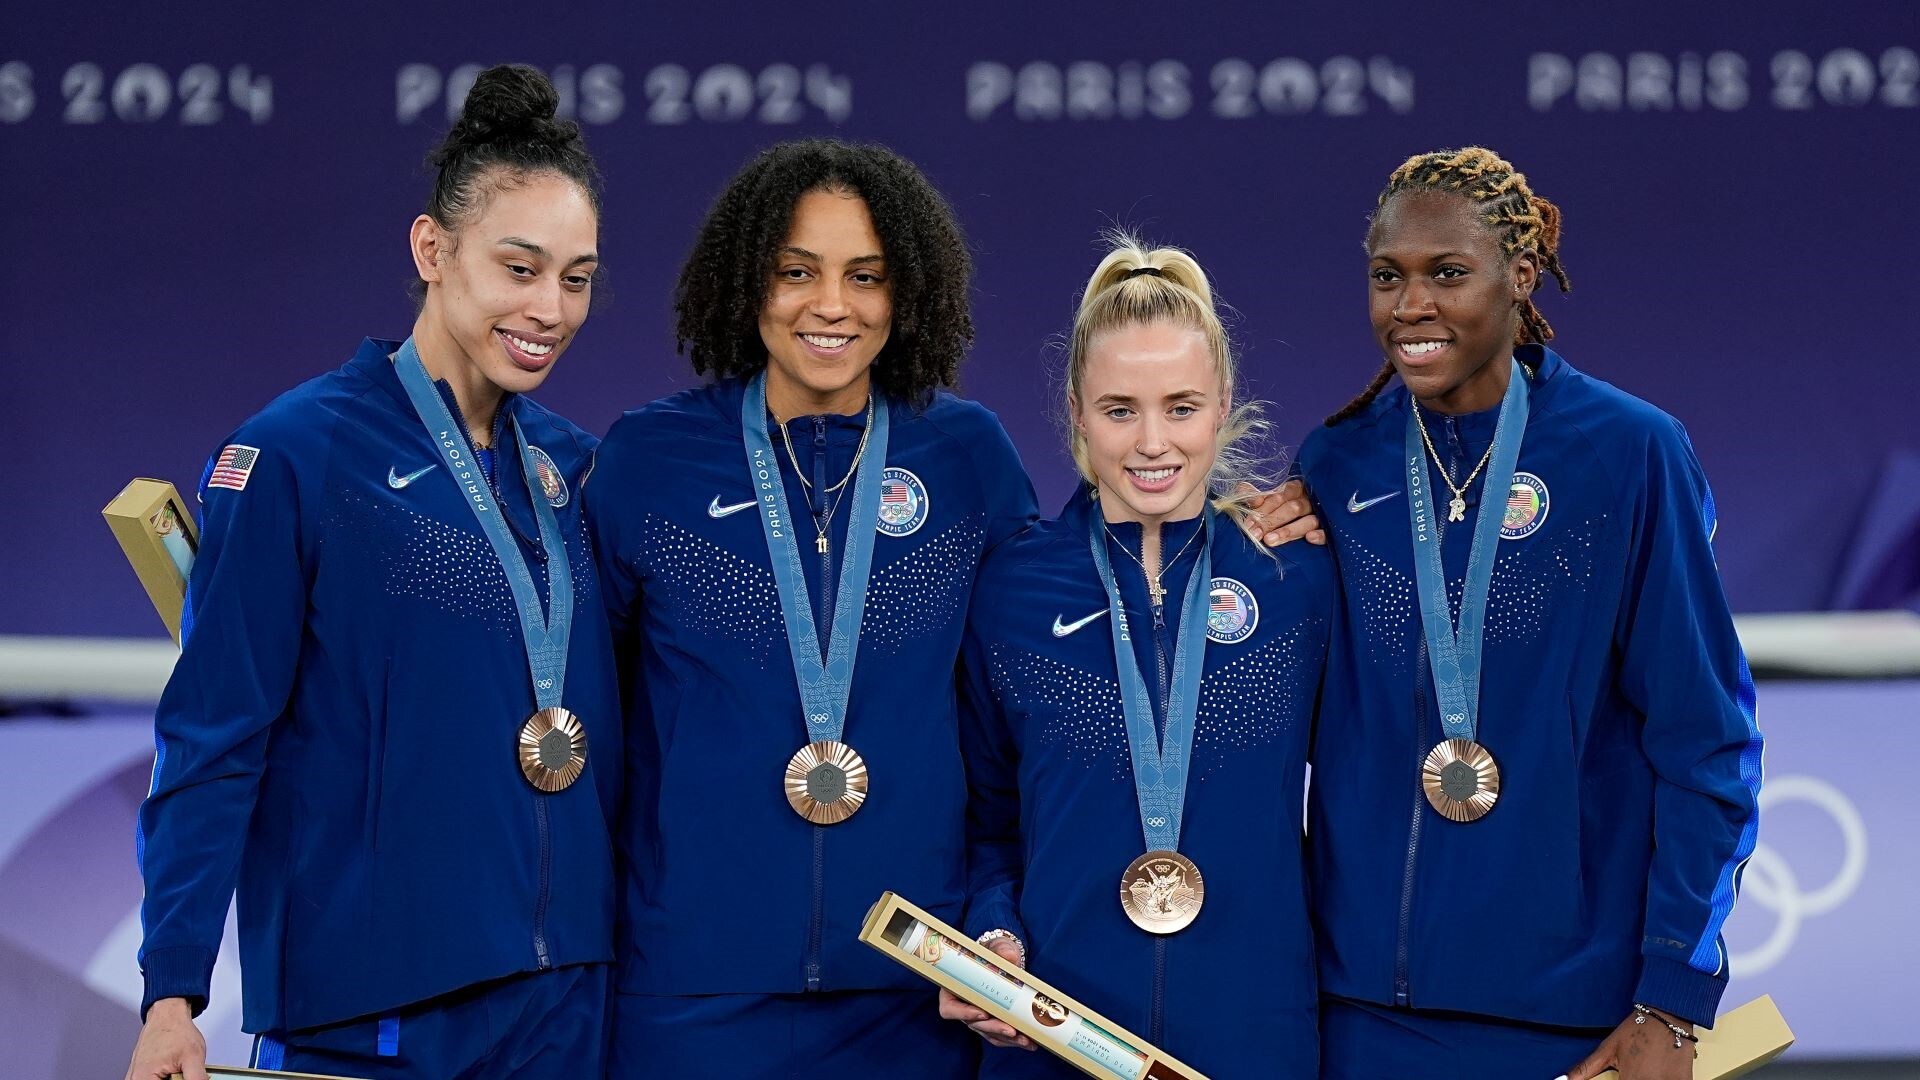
987 939
1681 1036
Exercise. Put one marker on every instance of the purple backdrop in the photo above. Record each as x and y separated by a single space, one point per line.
204 210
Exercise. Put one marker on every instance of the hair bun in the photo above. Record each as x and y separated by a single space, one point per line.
508 100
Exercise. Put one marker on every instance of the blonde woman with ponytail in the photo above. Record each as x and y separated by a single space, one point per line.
1138 689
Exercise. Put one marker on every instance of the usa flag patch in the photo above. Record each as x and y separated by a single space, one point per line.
233 466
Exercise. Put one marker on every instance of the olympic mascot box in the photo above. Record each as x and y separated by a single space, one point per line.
1083 1038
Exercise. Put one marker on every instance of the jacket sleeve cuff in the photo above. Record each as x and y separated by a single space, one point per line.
183 972
995 914
1674 987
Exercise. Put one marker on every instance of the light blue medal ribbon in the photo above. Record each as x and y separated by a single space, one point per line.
1454 654
1160 764
826 683
545 636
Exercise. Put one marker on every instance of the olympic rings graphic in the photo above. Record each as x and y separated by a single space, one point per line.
1770 881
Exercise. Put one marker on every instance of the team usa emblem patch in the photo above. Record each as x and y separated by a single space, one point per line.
903 502
552 484
233 467
1527 505
1232 613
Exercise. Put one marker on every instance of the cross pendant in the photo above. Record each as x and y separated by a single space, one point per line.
1154 590
1457 509
821 545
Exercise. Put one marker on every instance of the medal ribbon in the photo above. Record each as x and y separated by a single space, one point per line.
825 685
544 636
1454 655
1160 765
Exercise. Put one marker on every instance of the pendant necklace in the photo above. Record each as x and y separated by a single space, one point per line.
1457 509
1154 589
824 525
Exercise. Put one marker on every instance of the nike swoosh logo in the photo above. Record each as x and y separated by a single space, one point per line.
1354 505
715 510
396 481
1061 629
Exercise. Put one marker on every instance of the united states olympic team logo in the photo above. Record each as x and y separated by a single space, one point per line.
552 484
903 502
1232 613
1526 507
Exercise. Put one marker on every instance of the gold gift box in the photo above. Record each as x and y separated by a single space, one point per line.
157 535
1078 1035
229 1073
1740 1042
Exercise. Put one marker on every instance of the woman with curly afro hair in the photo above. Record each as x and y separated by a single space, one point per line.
789 551
723 298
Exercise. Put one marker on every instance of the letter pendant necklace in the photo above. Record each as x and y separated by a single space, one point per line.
1457 509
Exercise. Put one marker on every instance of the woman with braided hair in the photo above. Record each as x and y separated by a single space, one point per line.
1537 777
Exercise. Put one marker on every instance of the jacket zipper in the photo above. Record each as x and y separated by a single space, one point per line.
1156 1023
1156 1015
1402 989
542 957
823 620
540 812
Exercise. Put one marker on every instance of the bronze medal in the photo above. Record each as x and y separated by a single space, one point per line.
826 782
553 749
1162 892
1461 780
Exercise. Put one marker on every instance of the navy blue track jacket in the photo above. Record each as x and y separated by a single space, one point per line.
725 889
1054 820
339 735
1614 697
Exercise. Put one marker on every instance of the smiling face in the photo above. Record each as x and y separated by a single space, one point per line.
1445 300
1150 406
508 291
829 307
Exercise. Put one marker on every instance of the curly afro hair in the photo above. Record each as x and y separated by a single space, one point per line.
724 284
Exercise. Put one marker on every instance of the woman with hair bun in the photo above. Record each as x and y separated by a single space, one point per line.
1139 688
1540 776
394 724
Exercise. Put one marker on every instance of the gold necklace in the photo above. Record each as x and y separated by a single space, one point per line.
1154 589
1457 509
821 544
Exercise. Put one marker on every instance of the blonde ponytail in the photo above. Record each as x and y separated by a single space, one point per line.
1135 285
